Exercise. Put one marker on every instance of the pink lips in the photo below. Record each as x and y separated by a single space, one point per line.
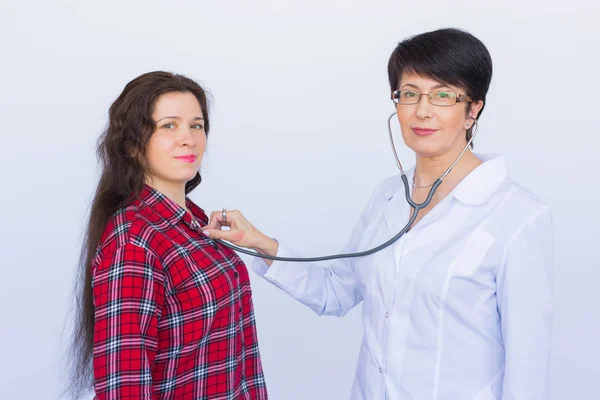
424 131
188 158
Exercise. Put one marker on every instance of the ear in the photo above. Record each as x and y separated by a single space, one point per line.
134 152
476 106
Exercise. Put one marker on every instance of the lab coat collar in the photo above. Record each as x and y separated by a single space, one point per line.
477 188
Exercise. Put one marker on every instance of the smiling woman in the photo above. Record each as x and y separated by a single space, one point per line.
164 311
460 307
175 149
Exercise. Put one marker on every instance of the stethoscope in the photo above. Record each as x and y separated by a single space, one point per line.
415 206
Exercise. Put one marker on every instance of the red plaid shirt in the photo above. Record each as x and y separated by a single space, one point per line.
173 309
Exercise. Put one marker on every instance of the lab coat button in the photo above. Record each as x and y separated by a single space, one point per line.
380 370
387 314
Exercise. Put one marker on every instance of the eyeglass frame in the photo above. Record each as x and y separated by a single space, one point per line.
460 98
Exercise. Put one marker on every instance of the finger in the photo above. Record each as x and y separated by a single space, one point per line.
230 236
214 222
230 219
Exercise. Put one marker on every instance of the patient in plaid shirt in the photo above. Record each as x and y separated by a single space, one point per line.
166 312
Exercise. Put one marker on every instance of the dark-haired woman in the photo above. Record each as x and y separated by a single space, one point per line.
166 313
460 308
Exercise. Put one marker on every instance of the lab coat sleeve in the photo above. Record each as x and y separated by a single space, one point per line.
524 294
328 289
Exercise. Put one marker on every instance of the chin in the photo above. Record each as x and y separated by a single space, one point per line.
182 179
188 173
426 149
190 177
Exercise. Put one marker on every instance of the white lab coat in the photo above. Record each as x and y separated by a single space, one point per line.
459 308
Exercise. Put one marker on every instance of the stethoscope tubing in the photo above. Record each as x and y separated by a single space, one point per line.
415 206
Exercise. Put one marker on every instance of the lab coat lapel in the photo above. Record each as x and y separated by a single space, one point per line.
397 211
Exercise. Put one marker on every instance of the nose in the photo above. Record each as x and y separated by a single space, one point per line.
187 137
424 107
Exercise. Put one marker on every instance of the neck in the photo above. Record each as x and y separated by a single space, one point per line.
173 191
428 169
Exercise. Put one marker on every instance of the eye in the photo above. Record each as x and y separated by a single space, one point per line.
409 93
169 125
198 126
444 95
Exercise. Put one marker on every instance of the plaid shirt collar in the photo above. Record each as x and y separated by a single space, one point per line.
170 210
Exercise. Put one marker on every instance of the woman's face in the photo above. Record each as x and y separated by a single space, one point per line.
431 130
175 150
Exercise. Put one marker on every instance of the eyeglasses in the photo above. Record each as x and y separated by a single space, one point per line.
442 98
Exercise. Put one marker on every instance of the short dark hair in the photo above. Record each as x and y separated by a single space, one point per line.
448 55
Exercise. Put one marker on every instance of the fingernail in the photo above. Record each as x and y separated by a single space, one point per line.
207 233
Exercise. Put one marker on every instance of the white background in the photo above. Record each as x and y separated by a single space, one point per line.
298 143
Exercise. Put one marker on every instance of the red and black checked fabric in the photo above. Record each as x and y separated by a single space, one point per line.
173 309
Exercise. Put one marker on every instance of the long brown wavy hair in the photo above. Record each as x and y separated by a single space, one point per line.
129 129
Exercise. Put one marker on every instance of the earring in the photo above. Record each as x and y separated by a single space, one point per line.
468 124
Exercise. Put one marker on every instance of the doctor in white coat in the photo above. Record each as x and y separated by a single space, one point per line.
461 306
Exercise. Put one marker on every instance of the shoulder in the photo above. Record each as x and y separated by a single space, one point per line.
523 201
514 210
128 228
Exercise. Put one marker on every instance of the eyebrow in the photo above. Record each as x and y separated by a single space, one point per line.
439 85
176 117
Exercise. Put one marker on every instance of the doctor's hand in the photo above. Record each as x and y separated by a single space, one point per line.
241 232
